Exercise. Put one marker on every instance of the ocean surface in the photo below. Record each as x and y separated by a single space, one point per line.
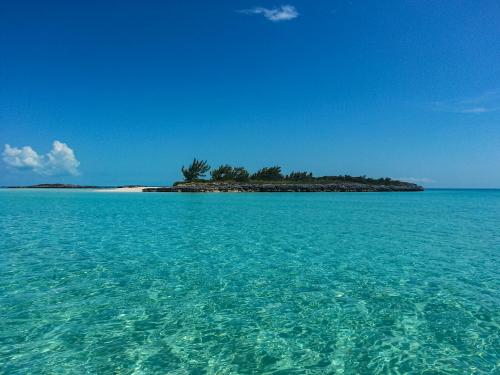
250 283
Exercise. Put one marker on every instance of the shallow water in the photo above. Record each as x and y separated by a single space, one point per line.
293 283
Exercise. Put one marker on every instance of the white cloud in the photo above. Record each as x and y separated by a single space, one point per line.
61 160
21 158
281 13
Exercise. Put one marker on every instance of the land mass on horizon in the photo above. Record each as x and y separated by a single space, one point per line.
226 178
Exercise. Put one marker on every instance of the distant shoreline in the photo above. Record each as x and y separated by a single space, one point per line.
104 189
235 187
60 186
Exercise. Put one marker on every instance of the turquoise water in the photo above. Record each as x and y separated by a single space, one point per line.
353 283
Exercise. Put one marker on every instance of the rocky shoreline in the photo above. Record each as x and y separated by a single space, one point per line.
215 187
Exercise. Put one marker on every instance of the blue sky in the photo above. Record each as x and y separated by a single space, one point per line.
132 90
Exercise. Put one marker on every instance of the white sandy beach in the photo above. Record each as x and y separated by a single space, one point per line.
135 189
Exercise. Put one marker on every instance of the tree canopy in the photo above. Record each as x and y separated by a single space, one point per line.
196 170
222 173
228 173
240 174
268 174
299 176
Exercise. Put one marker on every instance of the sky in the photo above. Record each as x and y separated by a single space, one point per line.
126 92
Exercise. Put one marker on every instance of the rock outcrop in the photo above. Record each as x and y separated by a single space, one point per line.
207 187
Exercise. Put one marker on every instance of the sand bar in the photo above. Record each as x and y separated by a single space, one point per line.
135 189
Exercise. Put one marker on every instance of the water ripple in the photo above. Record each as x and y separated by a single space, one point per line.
249 283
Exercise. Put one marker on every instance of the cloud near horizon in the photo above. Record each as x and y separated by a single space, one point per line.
488 101
59 161
281 13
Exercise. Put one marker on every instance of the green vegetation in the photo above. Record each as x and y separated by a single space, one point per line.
359 179
240 174
195 171
226 173
268 174
300 176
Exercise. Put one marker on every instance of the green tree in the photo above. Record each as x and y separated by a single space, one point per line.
268 174
196 170
228 173
240 174
222 173
299 176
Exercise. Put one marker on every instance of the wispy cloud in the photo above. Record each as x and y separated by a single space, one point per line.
491 95
60 160
416 180
278 14
488 101
476 110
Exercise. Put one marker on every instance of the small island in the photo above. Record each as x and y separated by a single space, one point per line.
55 186
226 178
